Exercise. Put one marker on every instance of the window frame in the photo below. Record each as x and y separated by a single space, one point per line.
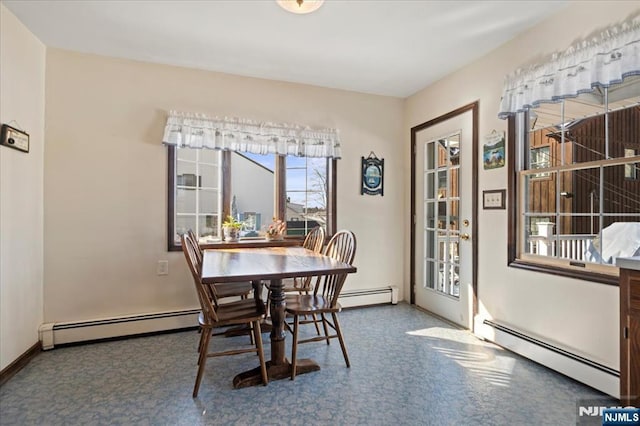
635 172
537 149
279 201
515 145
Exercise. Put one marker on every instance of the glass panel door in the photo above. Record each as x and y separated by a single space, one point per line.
441 231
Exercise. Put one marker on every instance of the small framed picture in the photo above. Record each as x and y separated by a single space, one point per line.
493 150
494 199
14 138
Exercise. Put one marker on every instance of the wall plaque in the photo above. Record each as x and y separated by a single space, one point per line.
372 178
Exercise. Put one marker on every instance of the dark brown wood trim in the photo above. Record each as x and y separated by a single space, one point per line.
512 203
171 197
473 107
226 185
474 208
564 272
412 222
280 207
332 197
17 365
625 343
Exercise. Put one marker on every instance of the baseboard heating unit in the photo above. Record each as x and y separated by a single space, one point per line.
373 296
584 370
52 334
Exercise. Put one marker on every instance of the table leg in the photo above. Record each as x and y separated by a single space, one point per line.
277 323
279 367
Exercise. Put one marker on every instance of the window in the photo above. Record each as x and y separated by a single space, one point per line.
539 159
252 191
206 185
197 192
631 169
586 212
306 194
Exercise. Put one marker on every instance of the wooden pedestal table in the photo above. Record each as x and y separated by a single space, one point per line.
274 264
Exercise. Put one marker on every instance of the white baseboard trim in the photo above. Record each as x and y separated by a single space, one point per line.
591 373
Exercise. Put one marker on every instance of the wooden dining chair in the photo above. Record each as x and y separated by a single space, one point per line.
213 315
218 291
313 241
323 300
241 290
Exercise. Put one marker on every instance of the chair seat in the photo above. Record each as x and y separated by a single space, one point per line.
239 312
308 303
233 289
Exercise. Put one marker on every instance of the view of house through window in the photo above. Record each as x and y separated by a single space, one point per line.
579 196
306 189
251 179
252 191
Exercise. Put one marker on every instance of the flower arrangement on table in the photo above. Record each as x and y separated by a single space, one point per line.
231 228
276 230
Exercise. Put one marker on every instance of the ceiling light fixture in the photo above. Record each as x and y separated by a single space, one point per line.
300 6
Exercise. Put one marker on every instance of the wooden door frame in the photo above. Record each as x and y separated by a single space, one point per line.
473 107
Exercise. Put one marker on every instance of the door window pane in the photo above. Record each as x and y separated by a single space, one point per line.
442 206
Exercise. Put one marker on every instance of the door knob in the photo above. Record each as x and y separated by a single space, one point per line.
464 237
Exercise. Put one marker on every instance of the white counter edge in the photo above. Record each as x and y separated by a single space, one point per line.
628 262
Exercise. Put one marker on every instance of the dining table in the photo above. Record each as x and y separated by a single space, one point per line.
238 264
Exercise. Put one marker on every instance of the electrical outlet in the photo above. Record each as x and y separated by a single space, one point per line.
163 267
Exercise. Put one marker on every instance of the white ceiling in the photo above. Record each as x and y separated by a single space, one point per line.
392 48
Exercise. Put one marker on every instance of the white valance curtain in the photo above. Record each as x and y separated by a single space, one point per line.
599 61
238 134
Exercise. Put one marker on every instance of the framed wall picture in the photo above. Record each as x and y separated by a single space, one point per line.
372 175
493 150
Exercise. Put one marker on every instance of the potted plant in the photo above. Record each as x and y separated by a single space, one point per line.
231 228
276 230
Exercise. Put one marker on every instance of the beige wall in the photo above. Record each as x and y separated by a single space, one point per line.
105 177
22 69
577 315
